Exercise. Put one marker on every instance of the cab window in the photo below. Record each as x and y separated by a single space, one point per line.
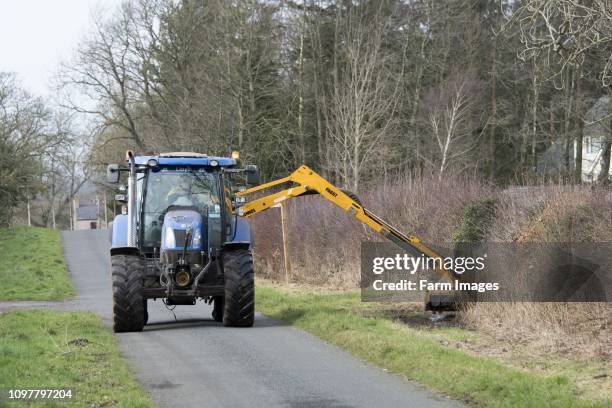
177 188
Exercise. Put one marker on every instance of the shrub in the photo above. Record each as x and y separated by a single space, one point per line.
477 219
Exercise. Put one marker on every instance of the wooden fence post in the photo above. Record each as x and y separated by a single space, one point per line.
286 255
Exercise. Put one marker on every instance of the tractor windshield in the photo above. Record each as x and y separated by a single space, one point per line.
177 187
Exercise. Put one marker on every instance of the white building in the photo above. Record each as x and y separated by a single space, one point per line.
86 217
595 133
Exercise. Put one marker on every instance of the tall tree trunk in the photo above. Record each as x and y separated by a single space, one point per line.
29 210
567 123
604 173
551 122
416 98
53 214
534 116
320 134
493 120
579 127
240 124
302 141
320 103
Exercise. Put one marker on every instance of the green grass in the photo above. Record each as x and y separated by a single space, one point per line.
45 349
341 319
32 265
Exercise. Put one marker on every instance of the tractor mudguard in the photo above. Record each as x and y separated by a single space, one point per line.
242 233
118 233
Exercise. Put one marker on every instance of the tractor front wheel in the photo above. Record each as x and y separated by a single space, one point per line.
129 312
239 307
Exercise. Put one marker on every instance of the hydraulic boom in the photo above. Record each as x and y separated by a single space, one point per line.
307 181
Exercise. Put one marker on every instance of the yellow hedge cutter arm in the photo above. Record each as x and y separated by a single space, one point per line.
309 182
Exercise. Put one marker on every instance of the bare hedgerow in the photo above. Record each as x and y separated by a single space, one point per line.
557 213
324 244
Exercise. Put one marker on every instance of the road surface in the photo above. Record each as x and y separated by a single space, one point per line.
196 362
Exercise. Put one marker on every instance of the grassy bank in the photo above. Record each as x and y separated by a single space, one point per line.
44 349
32 265
420 355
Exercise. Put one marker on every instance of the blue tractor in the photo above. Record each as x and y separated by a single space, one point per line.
179 238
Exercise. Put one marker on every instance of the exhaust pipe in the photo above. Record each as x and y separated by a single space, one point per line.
131 204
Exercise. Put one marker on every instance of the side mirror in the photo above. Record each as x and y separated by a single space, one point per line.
112 173
122 198
253 177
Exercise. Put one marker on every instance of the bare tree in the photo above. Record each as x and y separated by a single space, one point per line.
568 37
565 32
26 137
103 77
364 99
454 120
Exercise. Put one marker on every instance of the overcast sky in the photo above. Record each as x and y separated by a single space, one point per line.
35 35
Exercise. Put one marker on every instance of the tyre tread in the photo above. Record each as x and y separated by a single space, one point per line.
127 274
239 307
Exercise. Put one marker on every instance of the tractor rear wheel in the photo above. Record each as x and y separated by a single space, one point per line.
239 307
129 313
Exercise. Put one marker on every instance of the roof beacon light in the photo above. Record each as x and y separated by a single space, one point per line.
152 163
214 163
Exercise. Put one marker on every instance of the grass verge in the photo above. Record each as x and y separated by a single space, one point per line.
341 319
32 265
42 349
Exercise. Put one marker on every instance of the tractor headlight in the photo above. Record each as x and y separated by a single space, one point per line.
169 240
197 238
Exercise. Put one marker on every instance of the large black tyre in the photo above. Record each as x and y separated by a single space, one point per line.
127 273
218 306
239 307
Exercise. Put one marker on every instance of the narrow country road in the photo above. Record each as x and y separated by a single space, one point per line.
195 362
